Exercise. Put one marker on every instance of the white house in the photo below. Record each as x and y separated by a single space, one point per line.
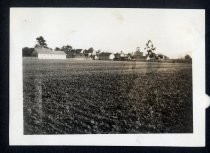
111 56
45 53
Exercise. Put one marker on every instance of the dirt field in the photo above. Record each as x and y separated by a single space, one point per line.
77 97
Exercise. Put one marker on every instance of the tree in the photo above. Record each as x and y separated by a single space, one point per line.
27 52
149 46
68 50
150 50
90 50
41 42
57 49
187 57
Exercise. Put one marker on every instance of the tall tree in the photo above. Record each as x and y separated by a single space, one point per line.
150 49
41 42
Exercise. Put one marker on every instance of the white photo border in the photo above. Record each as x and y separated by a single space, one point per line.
200 103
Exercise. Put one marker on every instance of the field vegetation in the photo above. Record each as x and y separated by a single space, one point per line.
81 97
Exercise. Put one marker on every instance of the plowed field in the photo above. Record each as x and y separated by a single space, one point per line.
81 97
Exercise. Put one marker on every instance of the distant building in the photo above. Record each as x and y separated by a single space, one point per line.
138 55
45 53
122 56
95 57
163 57
125 57
87 52
117 56
156 57
106 56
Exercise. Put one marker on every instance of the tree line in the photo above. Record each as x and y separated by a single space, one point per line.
71 53
68 49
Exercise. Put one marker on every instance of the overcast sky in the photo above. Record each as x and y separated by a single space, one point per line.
173 32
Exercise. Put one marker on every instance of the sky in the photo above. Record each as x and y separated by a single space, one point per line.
174 32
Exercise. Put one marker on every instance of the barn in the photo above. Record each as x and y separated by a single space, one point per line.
45 53
139 56
122 57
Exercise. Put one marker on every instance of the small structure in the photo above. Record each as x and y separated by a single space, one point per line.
122 56
156 57
138 55
163 57
106 56
87 53
117 56
45 53
125 57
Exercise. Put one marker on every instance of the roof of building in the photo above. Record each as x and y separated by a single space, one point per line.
48 51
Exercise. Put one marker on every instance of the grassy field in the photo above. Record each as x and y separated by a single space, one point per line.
77 97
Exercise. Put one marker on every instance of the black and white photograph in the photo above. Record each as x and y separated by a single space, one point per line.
107 71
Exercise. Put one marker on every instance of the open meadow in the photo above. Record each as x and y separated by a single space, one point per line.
106 97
